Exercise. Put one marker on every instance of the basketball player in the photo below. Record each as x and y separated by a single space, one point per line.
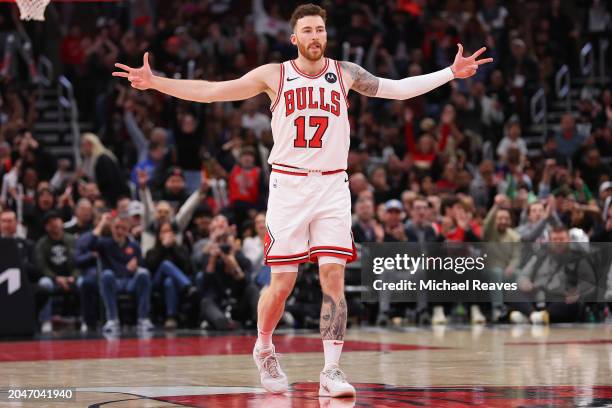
309 205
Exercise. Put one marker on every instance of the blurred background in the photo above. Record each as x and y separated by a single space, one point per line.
520 152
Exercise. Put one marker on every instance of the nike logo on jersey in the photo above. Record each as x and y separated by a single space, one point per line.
291 79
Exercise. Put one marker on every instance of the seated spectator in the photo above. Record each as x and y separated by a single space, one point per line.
418 228
34 213
549 282
503 252
25 254
55 258
122 271
82 221
172 269
365 227
86 261
393 221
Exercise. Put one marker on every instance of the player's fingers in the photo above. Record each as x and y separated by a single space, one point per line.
123 66
146 59
479 52
484 61
460 50
121 74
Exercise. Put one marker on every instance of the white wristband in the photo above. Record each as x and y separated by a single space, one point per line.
413 86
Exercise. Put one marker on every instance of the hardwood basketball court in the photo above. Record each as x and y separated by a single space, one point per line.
502 366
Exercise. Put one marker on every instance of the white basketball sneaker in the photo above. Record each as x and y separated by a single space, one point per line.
273 379
476 315
333 384
438 316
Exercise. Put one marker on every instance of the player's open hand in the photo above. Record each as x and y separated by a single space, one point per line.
465 67
140 78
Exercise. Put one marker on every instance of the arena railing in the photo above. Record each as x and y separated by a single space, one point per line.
67 104
587 60
45 73
563 86
539 111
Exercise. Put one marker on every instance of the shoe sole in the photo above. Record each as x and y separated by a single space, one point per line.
324 393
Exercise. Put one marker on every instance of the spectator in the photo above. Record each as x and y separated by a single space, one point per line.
393 221
246 186
188 139
253 120
100 164
253 250
551 279
55 258
538 216
25 254
82 220
512 140
225 276
165 212
418 228
34 213
122 271
86 260
172 267
365 227
174 190
568 139
502 250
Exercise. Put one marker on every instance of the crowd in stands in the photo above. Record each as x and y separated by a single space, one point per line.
168 201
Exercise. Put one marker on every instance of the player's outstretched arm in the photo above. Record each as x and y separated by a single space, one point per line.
252 83
367 84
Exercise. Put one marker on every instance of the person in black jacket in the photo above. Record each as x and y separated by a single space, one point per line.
171 267
100 164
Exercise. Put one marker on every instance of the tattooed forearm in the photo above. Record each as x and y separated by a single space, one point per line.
333 318
363 82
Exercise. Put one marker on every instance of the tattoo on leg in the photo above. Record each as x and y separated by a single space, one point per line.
333 318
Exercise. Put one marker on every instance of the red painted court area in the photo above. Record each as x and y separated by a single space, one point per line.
171 347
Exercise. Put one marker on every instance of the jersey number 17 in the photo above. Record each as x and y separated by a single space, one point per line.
320 122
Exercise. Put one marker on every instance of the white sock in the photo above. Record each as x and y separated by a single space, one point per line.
264 338
332 350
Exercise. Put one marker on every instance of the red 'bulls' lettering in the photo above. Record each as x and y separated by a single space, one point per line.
304 98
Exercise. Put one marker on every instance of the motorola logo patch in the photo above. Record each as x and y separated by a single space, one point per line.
331 77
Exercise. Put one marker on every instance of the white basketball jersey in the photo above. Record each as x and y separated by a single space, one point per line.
310 123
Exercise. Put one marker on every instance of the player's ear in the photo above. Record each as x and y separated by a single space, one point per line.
293 39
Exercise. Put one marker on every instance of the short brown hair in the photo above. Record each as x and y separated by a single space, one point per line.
307 10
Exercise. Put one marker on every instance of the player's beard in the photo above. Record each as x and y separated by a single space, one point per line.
312 54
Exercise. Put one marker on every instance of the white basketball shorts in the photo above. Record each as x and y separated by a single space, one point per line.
309 215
